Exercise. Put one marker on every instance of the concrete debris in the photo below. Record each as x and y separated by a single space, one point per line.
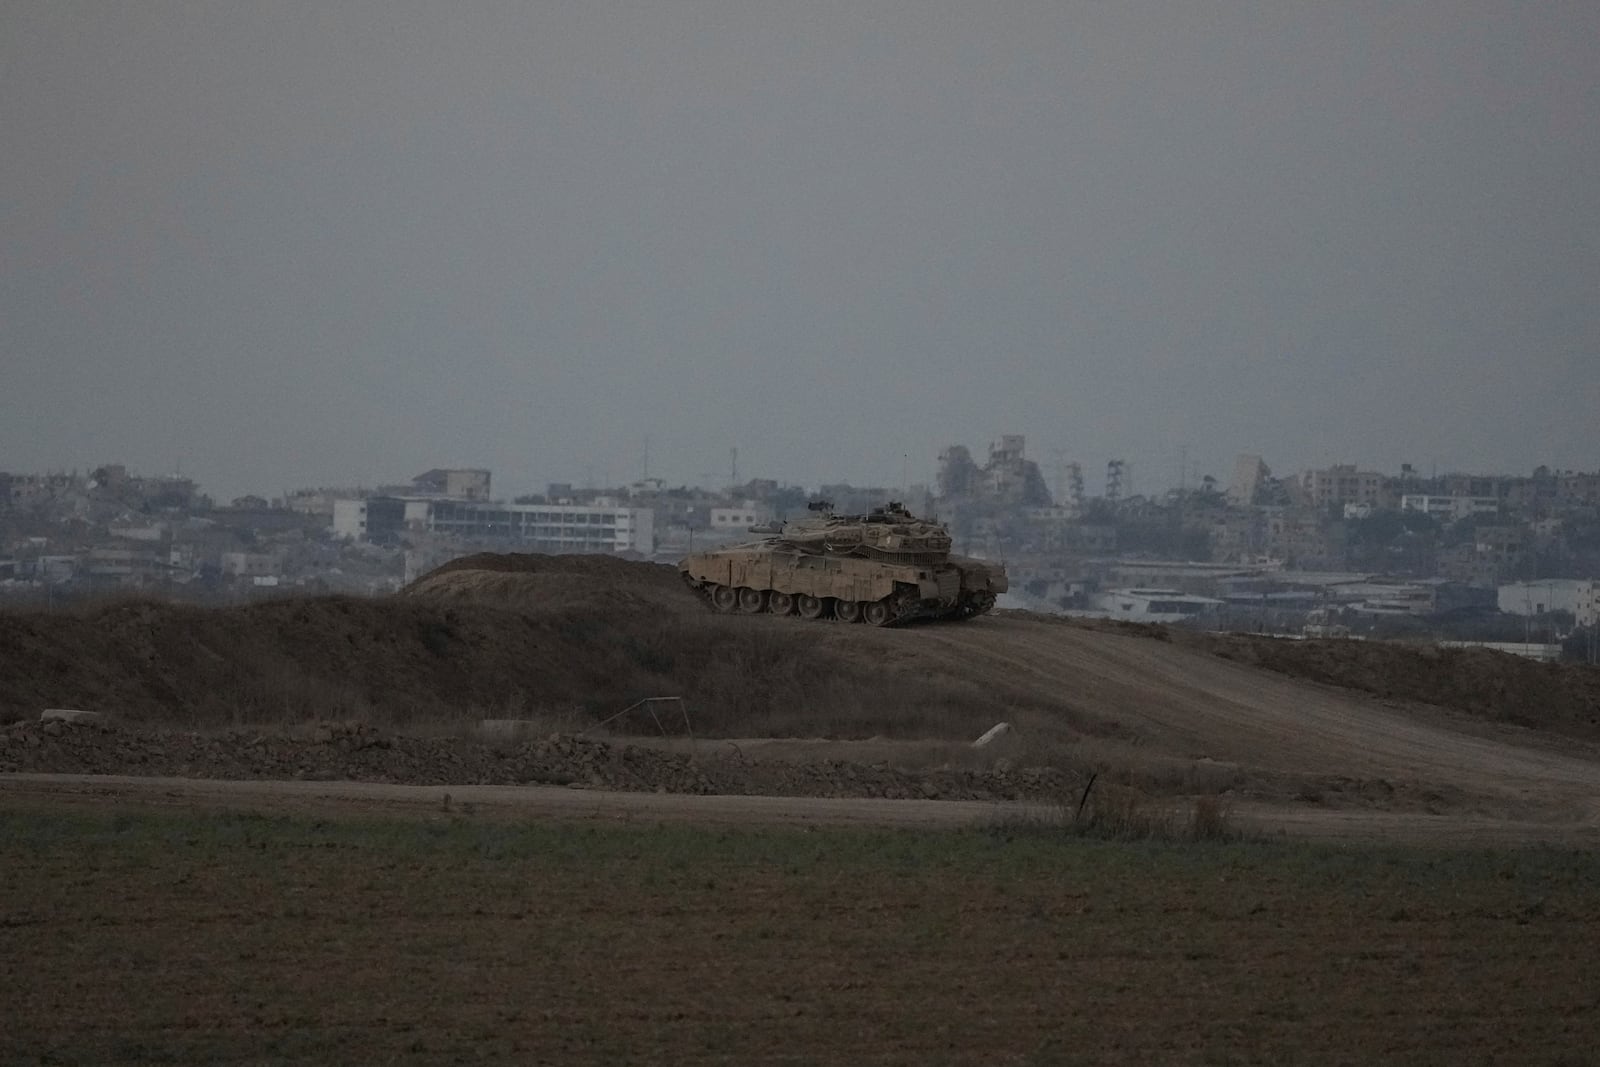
69 715
998 730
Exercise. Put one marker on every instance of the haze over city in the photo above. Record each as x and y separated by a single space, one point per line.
298 244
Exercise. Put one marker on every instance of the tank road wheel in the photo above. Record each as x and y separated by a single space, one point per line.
780 603
752 601
877 613
724 597
973 606
847 610
810 606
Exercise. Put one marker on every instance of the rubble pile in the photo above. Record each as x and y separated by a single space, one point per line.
354 751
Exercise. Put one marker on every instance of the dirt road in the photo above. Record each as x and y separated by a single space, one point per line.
541 803
1186 703
371 799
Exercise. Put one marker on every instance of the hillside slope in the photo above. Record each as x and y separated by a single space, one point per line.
571 640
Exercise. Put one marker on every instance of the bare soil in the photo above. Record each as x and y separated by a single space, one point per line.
166 938
1336 726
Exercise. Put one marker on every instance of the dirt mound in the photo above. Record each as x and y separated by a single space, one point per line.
528 583
437 657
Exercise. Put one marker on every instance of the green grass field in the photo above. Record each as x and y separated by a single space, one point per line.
222 938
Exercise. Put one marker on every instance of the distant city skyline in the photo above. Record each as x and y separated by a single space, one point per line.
1094 477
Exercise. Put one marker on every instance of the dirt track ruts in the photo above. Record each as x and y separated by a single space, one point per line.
1186 703
1241 713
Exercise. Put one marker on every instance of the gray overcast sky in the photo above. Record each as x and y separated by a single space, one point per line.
289 244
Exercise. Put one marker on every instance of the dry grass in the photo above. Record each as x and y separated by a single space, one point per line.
1105 811
1209 820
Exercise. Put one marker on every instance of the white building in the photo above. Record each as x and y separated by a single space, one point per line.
529 527
740 517
1580 596
1449 508
350 519
1154 605
1386 598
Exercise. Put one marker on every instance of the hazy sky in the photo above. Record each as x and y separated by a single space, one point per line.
289 244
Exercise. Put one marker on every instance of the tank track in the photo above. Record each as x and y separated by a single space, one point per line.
762 602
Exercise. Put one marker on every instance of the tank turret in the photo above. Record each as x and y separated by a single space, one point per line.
883 568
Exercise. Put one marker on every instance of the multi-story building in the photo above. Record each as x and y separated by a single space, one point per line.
530 527
1249 474
1495 554
319 501
1507 546
378 519
547 527
1450 508
1577 490
1476 485
1341 484
1581 597
454 484
740 517
1237 536
125 566
1154 605
1298 538
1547 489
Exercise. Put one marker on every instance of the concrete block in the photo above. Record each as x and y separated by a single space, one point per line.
70 715
998 730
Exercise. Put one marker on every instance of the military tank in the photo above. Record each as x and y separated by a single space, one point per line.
884 568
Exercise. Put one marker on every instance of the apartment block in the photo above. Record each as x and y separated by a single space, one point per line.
1581 597
1341 484
529 527
1450 508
